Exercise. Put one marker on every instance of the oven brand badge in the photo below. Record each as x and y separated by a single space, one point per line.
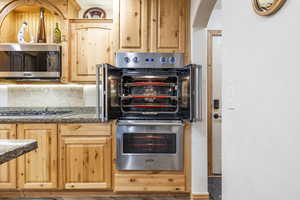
149 160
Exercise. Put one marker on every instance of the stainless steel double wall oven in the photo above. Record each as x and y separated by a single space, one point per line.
150 94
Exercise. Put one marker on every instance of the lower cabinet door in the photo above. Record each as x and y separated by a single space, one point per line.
86 162
38 169
8 170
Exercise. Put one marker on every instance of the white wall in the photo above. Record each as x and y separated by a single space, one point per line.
194 9
216 19
261 132
199 130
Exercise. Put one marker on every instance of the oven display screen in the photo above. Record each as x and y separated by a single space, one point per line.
149 143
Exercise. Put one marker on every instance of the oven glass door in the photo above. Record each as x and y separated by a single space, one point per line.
149 143
109 94
190 92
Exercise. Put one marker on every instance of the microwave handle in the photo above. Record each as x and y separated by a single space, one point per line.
101 88
196 93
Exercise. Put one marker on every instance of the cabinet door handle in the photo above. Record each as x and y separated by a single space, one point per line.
132 180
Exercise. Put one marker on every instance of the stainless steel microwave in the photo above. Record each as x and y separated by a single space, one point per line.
30 61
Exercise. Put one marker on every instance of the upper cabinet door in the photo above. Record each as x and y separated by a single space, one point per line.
8 170
169 25
90 45
38 169
131 24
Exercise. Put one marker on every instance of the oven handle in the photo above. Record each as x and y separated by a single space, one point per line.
197 93
100 80
128 123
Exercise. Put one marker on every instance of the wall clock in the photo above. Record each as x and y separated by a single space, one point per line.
267 7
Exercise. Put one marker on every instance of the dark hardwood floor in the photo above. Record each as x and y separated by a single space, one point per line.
215 187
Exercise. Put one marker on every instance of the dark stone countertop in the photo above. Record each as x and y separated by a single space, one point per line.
49 115
11 149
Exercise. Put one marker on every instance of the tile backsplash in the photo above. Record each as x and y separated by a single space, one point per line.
3 96
47 95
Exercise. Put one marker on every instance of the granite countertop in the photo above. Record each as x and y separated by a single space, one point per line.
49 115
11 149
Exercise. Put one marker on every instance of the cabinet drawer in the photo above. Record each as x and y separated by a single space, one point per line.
85 129
153 183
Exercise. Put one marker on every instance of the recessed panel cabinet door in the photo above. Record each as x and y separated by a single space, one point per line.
38 169
90 45
131 24
8 170
86 162
168 27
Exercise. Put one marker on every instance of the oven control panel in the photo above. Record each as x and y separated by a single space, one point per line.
149 60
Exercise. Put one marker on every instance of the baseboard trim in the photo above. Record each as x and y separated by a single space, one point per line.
85 194
200 196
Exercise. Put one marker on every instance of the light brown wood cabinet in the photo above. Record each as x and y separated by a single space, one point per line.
38 169
85 159
91 129
8 170
131 25
156 25
90 44
150 182
84 154
169 25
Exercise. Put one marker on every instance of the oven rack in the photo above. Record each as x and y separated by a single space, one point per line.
137 84
148 96
149 106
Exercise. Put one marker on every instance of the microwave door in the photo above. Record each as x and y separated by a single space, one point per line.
30 62
108 98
